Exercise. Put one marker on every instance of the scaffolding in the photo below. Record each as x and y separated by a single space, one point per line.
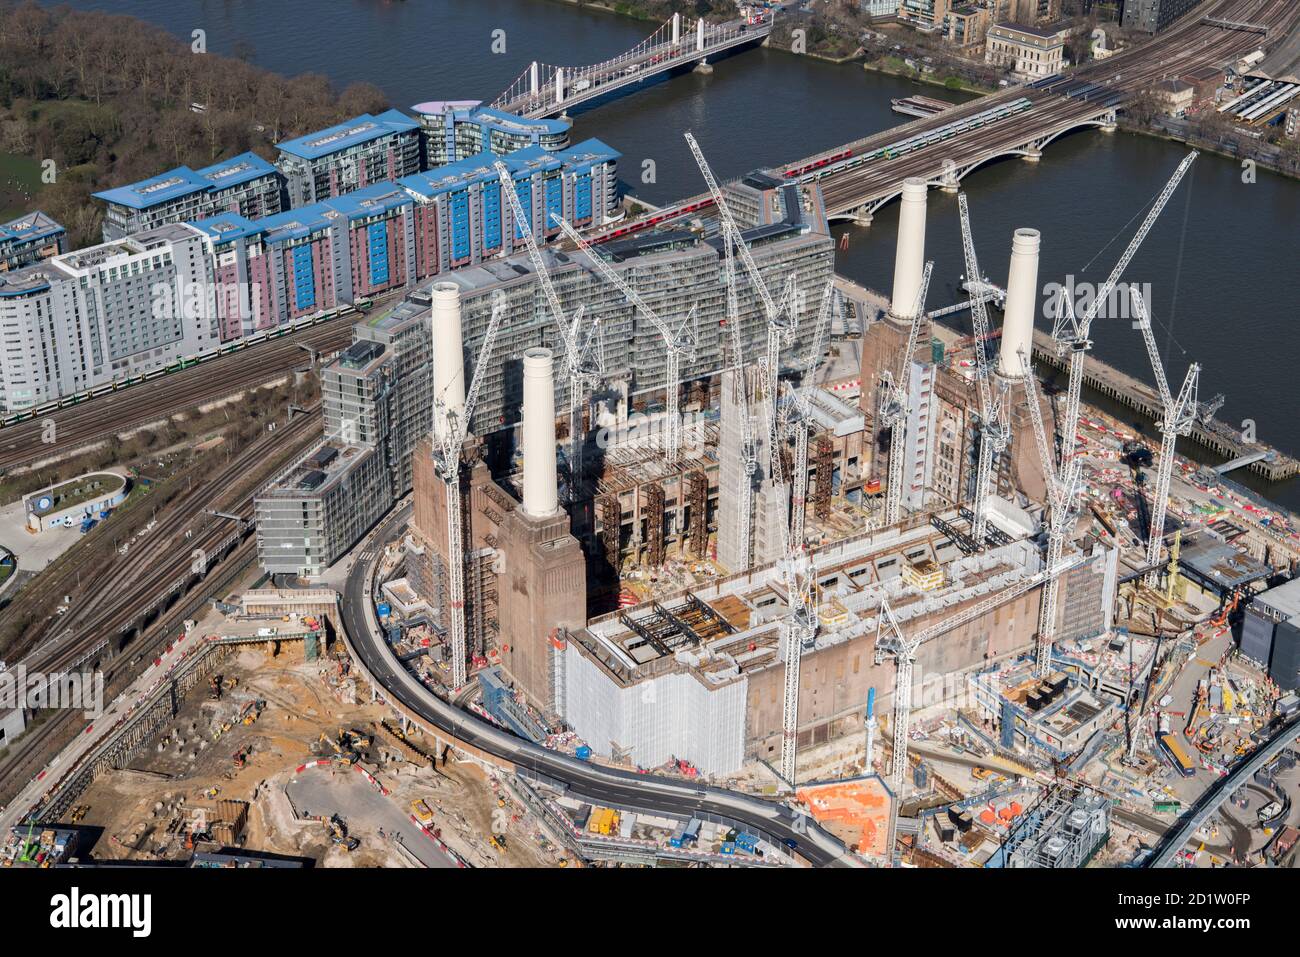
1063 830
484 628
823 479
697 515
611 521
655 551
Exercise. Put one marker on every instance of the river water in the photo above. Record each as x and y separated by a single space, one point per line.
1220 264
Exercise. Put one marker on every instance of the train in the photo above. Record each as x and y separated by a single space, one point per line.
660 217
182 363
847 159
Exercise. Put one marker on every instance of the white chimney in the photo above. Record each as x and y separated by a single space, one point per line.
448 355
909 256
541 498
1022 305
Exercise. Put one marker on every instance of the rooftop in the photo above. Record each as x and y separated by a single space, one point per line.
1283 599
1051 32
361 129
729 626
1214 562
34 225
183 181
375 199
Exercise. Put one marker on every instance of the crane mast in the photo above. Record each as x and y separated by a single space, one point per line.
748 447
1063 486
892 643
993 430
801 404
446 455
1179 414
678 344
800 626
896 404
1072 333
584 357
780 314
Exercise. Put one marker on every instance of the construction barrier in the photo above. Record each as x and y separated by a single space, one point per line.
460 861
374 782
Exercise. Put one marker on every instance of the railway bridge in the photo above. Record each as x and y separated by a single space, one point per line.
544 90
944 149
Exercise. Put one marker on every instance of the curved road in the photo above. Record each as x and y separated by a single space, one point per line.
777 822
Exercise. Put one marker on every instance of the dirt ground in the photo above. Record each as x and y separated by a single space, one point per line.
146 811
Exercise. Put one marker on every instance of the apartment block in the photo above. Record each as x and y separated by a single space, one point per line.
966 26
304 261
87 318
456 130
460 212
245 184
346 157
924 15
1152 16
377 403
30 239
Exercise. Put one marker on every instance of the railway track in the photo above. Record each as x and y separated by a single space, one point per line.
136 584
39 745
89 641
98 419
1187 45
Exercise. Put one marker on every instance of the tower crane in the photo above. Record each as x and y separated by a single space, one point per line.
994 434
1071 333
895 405
748 443
447 443
799 628
679 344
780 313
584 354
1178 416
1063 488
801 418
891 642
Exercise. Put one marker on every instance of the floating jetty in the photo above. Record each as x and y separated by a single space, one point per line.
919 106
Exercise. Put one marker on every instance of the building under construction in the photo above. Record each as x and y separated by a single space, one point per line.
643 599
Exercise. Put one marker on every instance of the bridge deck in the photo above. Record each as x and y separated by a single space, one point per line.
544 90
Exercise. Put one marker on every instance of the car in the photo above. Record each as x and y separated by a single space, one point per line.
790 843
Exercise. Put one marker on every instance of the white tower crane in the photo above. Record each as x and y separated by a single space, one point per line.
748 444
780 313
1072 333
1179 414
801 414
447 443
679 343
584 353
994 434
896 404
1063 488
800 626
892 643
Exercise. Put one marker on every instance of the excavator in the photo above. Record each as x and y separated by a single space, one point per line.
338 831
347 745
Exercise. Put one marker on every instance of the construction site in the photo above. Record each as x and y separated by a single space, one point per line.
720 577
783 536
